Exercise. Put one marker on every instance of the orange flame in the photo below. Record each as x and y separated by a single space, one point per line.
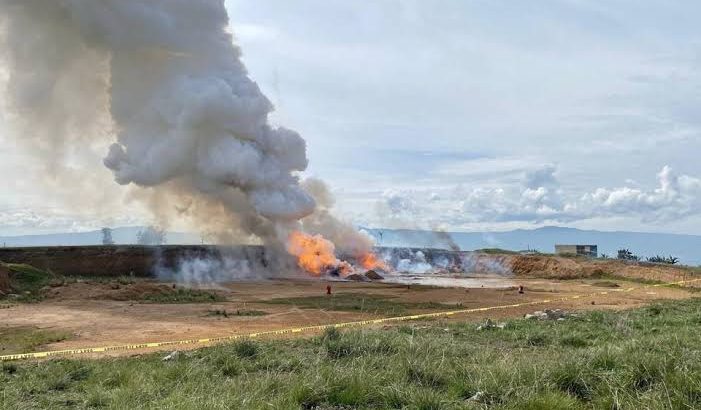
371 261
315 254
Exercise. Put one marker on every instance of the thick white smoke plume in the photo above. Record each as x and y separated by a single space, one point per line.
165 78
348 240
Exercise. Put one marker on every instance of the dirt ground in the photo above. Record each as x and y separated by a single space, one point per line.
95 315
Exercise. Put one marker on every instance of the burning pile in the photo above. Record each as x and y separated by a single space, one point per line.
317 255
370 261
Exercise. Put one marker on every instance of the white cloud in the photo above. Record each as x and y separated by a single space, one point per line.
540 198
49 220
541 177
675 197
536 198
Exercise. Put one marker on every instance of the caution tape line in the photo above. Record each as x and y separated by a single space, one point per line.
152 345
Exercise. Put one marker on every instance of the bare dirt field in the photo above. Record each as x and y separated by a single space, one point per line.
112 313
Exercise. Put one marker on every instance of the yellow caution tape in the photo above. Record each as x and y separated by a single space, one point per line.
151 345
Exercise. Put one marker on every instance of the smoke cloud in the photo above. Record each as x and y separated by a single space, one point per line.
348 240
164 81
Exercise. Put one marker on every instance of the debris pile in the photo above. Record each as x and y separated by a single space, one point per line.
356 277
549 314
372 275
477 396
489 325
173 355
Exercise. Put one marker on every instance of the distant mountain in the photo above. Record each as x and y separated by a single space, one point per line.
686 247
121 236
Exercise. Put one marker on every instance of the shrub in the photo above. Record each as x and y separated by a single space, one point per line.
670 260
331 333
626 254
246 349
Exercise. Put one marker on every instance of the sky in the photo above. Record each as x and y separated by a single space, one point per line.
461 114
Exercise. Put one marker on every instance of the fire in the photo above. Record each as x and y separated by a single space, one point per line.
371 261
315 254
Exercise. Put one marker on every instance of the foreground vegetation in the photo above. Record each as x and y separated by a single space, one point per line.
26 339
647 358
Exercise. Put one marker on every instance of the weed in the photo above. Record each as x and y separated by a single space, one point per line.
331 334
246 349
183 295
424 376
574 341
238 312
9 368
537 339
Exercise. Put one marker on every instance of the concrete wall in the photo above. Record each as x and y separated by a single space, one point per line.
117 260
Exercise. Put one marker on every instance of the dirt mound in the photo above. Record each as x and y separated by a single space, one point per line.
554 267
137 291
4 280
371 274
544 266
356 277
644 270
490 264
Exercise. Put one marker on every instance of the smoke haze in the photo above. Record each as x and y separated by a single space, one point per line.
164 79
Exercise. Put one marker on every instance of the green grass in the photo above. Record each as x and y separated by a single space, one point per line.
183 295
26 281
647 358
496 251
25 339
121 279
358 302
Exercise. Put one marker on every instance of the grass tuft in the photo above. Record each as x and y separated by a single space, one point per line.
246 349
238 312
183 295
424 375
